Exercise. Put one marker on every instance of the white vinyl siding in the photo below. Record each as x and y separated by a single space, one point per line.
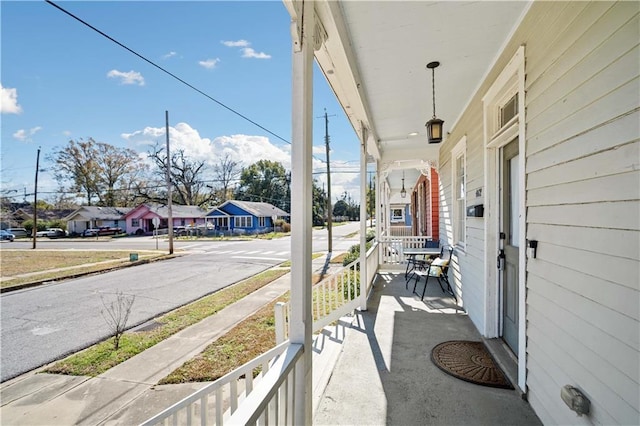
583 208
582 205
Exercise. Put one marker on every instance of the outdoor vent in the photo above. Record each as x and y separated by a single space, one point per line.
509 110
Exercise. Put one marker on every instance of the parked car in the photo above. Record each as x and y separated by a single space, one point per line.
52 233
5 235
103 230
90 232
107 230
19 232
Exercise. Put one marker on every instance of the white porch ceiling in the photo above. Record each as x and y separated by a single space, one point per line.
375 58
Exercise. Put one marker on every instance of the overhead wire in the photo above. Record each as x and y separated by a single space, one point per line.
149 61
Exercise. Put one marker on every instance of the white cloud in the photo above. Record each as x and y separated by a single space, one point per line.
248 52
210 63
9 101
26 135
131 77
169 55
237 43
245 149
67 133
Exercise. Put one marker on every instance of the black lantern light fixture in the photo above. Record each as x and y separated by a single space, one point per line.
403 192
434 126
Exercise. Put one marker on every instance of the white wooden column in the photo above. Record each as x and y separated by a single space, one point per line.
378 209
363 219
301 202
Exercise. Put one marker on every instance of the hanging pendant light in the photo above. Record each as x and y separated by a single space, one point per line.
403 192
434 126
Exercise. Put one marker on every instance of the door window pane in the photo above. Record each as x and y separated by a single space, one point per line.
514 197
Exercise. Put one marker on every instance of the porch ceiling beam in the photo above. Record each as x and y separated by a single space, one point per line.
342 73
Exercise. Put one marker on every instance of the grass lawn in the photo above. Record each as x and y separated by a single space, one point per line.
40 264
99 358
250 338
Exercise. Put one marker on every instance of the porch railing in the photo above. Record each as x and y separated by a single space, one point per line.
333 297
400 230
392 247
268 376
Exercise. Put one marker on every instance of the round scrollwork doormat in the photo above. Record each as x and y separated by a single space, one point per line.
469 361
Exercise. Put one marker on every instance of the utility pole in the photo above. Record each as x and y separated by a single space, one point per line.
169 195
329 210
35 202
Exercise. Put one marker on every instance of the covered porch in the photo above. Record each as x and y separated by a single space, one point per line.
385 369
536 97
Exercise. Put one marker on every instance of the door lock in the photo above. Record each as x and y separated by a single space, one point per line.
501 260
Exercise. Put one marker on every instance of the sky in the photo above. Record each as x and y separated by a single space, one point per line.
60 81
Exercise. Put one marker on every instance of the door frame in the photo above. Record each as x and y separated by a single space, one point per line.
509 82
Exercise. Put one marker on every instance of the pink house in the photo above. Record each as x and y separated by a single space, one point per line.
140 219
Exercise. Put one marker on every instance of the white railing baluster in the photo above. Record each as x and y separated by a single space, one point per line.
219 407
234 395
203 409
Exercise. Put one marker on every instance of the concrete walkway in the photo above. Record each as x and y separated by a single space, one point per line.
127 394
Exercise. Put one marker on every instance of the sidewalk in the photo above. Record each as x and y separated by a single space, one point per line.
127 393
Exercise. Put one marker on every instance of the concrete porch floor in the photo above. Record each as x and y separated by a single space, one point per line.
384 374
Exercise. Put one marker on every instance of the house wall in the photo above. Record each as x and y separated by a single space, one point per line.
582 205
435 215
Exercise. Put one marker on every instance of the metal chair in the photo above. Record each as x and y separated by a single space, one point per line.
419 262
438 268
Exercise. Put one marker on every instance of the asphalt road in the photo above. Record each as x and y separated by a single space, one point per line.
45 323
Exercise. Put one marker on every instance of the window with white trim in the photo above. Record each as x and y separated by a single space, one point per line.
459 189
262 222
242 222
135 222
397 215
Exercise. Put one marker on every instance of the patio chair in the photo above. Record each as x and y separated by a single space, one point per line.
419 262
438 268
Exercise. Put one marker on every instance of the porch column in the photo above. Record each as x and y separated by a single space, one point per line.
301 323
363 219
378 209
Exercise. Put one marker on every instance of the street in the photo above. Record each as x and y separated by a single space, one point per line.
45 323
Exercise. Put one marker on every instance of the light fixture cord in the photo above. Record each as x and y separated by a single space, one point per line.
433 89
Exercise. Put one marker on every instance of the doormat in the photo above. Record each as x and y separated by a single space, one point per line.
469 361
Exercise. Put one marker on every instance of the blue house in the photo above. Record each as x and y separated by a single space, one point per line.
244 217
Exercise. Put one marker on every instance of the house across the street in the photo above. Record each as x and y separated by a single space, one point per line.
245 217
87 217
140 220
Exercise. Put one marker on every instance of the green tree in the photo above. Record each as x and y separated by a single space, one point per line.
347 207
265 181
319 205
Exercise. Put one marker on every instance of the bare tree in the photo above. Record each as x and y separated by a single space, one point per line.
224 172
186 177
116 314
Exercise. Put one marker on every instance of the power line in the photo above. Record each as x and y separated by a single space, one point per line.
166 71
